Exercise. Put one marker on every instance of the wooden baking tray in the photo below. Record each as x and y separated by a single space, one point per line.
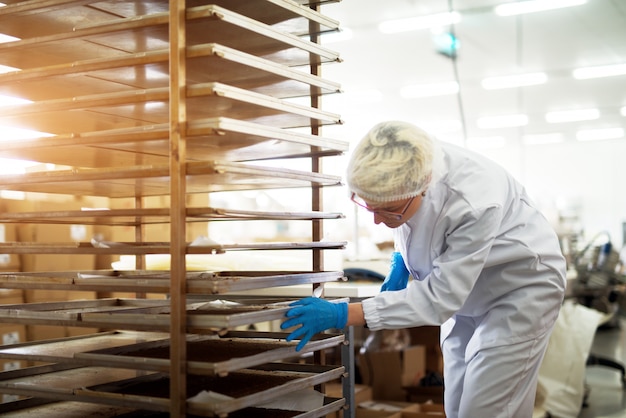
206 354
198 283
203 177
26 20
143 314
37 407
205 63
134 217
63 349
132 108
245 388
218 138
111 37
130 248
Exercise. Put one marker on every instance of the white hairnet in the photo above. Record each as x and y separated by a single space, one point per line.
393 161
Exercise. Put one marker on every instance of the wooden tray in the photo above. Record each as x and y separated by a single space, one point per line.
208 139
27 20
144 314
130 248
115 38
246 388
37 407
130 109
206 63
63 349
204 177
141 314
198 283
129 217
206 354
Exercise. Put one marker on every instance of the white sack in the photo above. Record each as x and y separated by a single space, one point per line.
562 374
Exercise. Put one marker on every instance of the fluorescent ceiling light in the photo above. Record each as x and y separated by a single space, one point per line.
10 166
7 38
599 134
11 101
14 134
7 69
599 71
540 139
486 142
572 115
511 81
532 6
502 121
419 22
429 89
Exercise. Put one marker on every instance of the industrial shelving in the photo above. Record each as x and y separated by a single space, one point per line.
140 99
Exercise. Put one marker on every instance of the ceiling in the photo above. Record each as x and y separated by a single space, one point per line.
376 66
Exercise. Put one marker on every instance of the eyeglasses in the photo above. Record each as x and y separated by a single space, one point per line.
383 212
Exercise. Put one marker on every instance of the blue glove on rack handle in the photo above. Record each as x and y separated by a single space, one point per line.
398 276
314 315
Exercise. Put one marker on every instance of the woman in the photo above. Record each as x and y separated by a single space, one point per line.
486 266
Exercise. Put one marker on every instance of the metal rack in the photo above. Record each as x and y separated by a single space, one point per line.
160 98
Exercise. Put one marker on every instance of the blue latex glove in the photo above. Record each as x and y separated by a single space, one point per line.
314 315
398 276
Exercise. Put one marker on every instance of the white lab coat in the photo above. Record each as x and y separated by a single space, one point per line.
477 247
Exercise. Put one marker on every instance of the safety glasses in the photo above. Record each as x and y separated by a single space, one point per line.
390 214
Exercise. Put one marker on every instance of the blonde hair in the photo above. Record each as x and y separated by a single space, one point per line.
394 161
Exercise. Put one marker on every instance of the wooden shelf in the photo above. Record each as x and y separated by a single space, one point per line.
248 387
30 20
148 351
134 217
198 283
204 177
148 107
217 138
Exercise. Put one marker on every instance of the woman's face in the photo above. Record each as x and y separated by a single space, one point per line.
395 213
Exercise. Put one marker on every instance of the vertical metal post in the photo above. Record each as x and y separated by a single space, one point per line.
140 260
178 285
347 381
317 232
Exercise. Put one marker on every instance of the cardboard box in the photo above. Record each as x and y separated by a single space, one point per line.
9 262
428 336
11 296
12 334
62 234
45 332
388 372
362 393
47 295
52 233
